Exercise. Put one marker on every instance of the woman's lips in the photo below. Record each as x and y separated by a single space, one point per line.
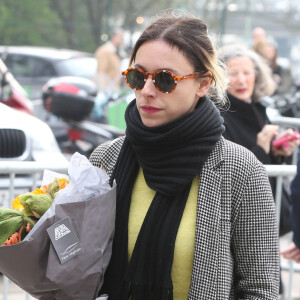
241 91
150 109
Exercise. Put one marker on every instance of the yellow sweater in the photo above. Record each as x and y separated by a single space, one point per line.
142 196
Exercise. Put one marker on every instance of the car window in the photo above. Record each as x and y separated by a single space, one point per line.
79 66
20 65
43 68
29 66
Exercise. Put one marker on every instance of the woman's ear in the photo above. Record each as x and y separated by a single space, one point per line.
204 84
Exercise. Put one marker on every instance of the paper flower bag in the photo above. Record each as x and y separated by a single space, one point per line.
88 202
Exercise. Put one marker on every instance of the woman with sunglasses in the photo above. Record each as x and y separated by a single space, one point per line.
195 217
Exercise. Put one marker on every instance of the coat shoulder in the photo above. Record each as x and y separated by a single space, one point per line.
105 155
238 163
238 156
241 170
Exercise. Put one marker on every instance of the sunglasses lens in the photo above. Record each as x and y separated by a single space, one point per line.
136 79
164 81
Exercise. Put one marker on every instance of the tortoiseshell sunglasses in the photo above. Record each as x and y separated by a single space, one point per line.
163 80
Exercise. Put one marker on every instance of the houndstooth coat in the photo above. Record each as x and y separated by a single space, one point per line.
236 253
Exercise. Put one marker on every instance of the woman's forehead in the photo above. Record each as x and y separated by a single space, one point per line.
158 54
240 62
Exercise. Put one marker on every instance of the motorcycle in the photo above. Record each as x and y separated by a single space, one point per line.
70 101
289 104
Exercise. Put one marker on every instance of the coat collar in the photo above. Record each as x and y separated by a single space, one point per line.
216 157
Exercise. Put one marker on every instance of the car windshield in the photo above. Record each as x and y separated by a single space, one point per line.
79 66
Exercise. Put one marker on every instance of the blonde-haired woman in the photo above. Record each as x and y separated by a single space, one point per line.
246 120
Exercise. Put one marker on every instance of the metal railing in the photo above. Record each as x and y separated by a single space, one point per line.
288 122
35 169
280 172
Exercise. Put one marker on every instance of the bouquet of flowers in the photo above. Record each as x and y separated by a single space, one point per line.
16 223
56 241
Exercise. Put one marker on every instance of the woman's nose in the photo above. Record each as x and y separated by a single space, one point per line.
149 87
241 77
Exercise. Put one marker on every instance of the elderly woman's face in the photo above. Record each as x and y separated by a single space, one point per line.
157 108
241 77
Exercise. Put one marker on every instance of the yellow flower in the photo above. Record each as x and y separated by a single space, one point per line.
38 192
16 204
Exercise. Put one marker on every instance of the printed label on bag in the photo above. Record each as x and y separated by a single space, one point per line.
64 240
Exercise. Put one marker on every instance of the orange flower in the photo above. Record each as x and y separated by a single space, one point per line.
44 187
62 183
15 238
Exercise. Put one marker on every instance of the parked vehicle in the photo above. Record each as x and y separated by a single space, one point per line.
23 137
34 66
71 100
26 138
11 93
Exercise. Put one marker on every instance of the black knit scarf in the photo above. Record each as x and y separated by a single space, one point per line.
170 156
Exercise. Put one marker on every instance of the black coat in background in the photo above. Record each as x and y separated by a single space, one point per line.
295 196
243 121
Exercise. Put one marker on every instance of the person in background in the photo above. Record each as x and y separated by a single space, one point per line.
281 74
258 35
108 74
246 121
195 217
108 67
293 251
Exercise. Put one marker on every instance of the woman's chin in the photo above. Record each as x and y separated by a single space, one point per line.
151 123
243 97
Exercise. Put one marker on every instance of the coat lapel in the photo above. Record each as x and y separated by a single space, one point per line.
206 254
